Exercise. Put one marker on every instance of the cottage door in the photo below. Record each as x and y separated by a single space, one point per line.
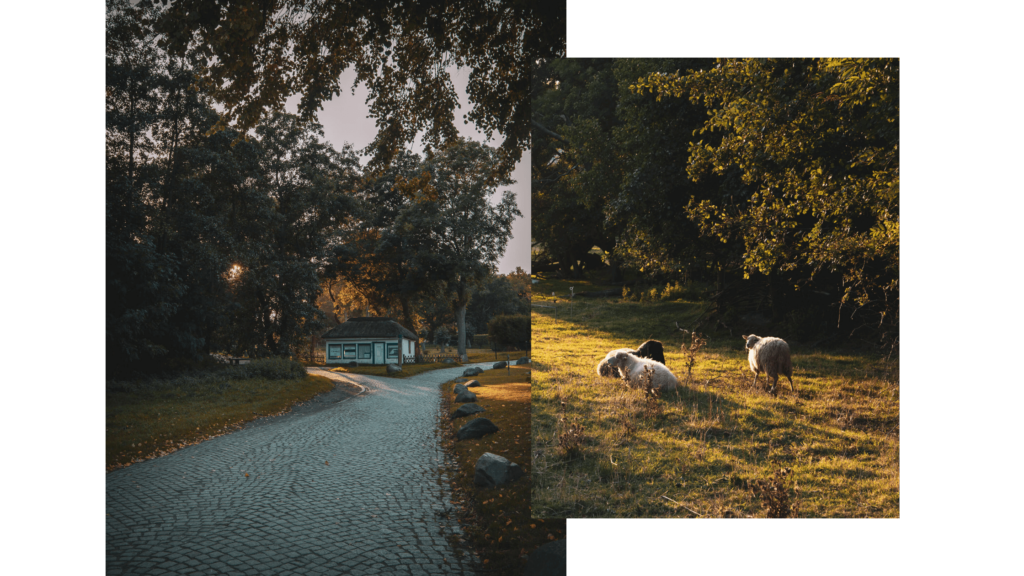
378 353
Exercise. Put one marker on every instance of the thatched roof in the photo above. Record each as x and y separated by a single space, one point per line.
370 328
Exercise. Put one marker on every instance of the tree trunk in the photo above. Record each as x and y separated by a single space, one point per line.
613 265
460 305
410 323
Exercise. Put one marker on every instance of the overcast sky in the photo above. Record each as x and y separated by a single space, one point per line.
346 119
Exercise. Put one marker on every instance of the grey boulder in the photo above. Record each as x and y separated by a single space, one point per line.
548 560
472 371
465 396
493 470
476 428
459 388
501 364
472 384
394 368
523 360
466 410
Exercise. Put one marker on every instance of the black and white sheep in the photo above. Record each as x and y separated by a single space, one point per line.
771 356
632 369
651 349
606 370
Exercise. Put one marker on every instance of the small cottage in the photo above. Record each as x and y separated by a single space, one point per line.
370 341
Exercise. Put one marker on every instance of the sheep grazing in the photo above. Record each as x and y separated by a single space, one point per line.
632 369
651 349
771 356
605 369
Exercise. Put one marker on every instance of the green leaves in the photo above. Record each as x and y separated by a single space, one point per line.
259 54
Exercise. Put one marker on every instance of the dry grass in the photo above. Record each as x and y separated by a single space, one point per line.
152 420
497 521
696 451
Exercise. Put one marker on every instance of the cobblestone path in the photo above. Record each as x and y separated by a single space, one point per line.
351 489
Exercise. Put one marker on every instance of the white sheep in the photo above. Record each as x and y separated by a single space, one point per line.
632 369
604 369
771 356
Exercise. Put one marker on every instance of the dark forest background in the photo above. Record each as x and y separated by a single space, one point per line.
773 184
235 228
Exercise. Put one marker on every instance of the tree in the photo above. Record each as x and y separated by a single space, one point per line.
574 100
455 235
374 258
212 243
817 144
303 195
143 284
258 54
498 294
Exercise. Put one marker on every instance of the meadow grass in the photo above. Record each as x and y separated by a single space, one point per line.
497 521
151 419
601 449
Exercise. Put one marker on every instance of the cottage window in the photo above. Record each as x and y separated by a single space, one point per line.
364 352
350 351
393 350
334 351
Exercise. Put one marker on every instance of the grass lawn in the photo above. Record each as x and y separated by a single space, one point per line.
603 450
154 419
497 521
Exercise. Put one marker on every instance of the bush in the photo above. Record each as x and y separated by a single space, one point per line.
509 331
270 369
481 341
216 375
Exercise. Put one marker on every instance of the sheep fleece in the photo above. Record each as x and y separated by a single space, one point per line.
771 356
632 368
605 369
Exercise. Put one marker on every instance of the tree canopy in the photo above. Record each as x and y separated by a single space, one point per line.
817 144
454 232
777 179
217 243
257 54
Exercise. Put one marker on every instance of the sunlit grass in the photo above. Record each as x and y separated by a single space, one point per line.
150 421
497 521
692 452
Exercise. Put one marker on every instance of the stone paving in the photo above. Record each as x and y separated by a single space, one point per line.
351 489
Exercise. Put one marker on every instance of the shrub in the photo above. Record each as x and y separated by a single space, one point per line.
270 369
509 331
216 375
